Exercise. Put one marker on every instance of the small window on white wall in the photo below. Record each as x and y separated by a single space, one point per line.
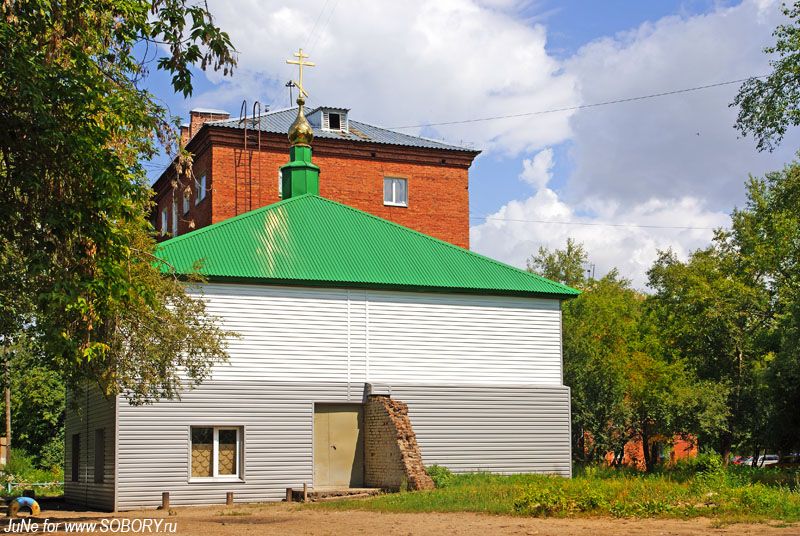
216 452
395 192
200 189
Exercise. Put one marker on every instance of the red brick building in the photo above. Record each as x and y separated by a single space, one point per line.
416 182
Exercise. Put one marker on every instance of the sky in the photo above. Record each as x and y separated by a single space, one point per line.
626 180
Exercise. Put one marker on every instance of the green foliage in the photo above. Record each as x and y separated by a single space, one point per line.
732 314
76 249
768 107
441 475
22 471
562 265
705 462
625 384
728 495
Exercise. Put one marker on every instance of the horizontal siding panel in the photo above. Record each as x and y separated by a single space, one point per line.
87 412
298 334
503 429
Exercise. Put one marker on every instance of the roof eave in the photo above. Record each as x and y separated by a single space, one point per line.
384 286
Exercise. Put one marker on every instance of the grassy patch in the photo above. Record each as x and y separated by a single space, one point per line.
732 495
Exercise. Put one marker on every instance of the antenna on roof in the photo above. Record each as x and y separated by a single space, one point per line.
290 84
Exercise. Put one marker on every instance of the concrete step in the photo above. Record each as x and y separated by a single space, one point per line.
332 494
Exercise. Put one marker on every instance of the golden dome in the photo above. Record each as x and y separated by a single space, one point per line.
301 133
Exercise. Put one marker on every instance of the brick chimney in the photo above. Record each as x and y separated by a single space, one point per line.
198 116
184 134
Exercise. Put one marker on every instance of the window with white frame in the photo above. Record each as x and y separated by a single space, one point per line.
164 221
200 189
187 194
395 192
280 184
216 452
174 217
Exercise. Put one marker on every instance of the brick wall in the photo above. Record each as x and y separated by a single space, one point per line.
391 452
170 188
438 198
241 180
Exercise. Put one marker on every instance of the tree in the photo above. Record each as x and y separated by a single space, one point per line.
75 241
765 235
710 313
768 107
599 327
624 385
563 265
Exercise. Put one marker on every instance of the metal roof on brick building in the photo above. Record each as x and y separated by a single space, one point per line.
279 121
312 241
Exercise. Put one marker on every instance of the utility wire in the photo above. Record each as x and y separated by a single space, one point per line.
313 28
581 106
595 224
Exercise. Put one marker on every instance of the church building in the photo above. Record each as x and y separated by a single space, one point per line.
416 182
367 350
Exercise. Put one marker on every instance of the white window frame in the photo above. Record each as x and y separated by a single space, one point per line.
216 477
393 202
187 204
164 221
280 184
174 217
201 189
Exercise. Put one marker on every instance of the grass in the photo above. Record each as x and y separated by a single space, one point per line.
725 495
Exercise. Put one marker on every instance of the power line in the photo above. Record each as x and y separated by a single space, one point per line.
595 224
313 28
581 106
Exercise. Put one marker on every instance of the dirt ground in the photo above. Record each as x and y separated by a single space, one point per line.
282 518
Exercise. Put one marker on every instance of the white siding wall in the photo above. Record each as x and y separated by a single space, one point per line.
505 429
304 334
481 376
86 412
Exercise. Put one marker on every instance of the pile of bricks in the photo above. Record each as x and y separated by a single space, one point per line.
392 453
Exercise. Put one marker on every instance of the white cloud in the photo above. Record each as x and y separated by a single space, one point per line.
518 229
405 63
538 171
672 160
672 146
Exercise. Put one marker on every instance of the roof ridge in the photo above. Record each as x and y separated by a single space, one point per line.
440 142
468 252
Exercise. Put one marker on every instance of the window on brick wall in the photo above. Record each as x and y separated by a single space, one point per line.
174 217
280 184
164 221
200 189
395 192
216 452
187 194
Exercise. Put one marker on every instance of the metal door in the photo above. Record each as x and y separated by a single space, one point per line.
338 445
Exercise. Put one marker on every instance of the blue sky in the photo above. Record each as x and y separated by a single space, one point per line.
671 161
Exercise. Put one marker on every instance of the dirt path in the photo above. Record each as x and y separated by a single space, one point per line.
281 518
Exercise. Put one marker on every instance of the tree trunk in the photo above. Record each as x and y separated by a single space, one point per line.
8 408
725 446
648 462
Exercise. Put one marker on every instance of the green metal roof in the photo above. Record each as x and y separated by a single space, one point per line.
309 240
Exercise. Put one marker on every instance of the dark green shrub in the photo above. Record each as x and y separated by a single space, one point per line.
441 475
